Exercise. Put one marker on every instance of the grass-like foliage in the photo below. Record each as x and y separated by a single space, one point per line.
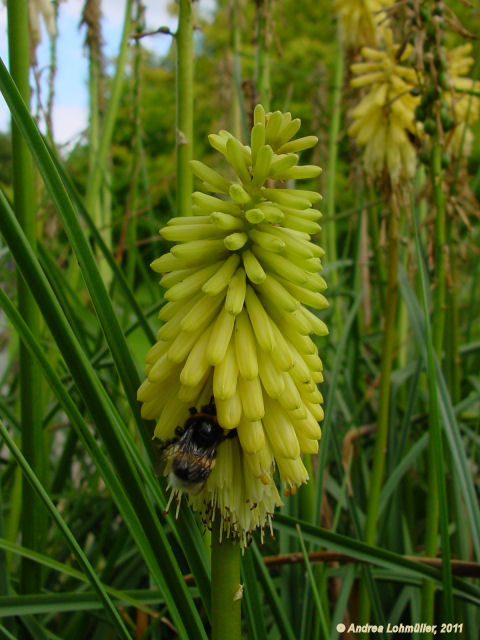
387 530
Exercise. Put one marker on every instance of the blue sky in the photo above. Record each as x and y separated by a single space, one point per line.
71 97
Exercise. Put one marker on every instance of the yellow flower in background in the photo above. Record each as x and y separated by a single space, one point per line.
385 116
464 107
232 379
360 21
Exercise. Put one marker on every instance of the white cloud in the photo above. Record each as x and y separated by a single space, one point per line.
113 11
70 111
3 17
68 121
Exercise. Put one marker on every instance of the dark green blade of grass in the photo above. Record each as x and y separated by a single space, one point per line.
279 615
252 601
64 294
393 562
124 362
313 586
69 537
341 604
102 353
398 472
185 529
65 569
118 274
111 480
6 633
109 425
120 351
435 430
53 603
454 438
322 457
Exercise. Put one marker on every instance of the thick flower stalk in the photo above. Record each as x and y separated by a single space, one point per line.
239 281
361 22
385 116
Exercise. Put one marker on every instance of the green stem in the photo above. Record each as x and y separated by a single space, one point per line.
96 176
438 329
378 258
438 325
184 37
262 70
51 78
33 516
388 345
331 173
93 202
436 460
226 594
239 120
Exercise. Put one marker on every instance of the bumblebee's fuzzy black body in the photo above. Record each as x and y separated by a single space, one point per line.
191 454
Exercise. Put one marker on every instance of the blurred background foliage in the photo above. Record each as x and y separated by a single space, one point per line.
137 198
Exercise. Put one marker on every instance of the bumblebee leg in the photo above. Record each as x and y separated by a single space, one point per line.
179 431
192 410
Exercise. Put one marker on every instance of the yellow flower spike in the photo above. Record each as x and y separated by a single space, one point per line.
257 140
465 106
281 355
196 364
271 289
262 326
174 277
292 472
262 165
190 285
360 21
220 338
184 343
225 374
162 369
271 377
231 379
251 435
236 292
280 431
156 352
226 222
245 347
291 399
253 268
197 252
255 216
210 176
222 276
172 414
202 312
259 114
229 411
385 117
208 204
251 396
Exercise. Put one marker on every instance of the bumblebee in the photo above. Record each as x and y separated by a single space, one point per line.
190 456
